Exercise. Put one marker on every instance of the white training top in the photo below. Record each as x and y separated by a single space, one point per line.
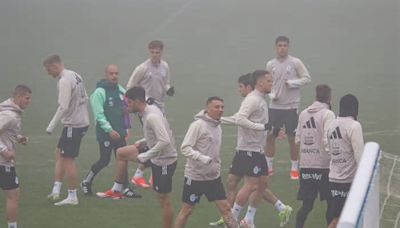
251 119
72 100
292 70
158 136
201 146
154 78
311 134
346 145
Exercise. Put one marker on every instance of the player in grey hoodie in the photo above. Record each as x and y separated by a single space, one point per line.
11 112
201 146
311 134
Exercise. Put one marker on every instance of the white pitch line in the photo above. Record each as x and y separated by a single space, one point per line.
172 17
388 189
397 220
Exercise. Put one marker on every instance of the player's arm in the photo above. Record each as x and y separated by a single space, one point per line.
163 140
97 100
170 89
136 77
357 140
329 117
64 98
247 107
6 121
229 120
299 129
187 148
302 73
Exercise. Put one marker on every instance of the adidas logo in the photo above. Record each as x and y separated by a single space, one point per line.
336 134
310 123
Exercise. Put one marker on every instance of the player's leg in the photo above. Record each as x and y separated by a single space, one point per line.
291 121
231 187
70 151
12 199
225 211
243 195
163 186
183 215
166 208
59 173
275 118
105 149
303 212
124 154
254 199
284 210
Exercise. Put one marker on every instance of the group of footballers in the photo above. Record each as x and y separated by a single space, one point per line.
324 150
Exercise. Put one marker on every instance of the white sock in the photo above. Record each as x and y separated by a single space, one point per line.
236 210
72 194
117 187
138 173
270 162
279 205
295 165
12 225
57 187
251 211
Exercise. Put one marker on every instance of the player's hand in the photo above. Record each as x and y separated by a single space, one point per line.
171 91
267 127
114 135
8 155
205 159
22 139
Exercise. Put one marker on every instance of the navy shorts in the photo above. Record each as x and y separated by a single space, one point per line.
70 141
8 178
193 190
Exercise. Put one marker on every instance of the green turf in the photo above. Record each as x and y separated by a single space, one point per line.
353 46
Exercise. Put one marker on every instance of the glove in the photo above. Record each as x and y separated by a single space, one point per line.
171 91
267 127
143 149
150 101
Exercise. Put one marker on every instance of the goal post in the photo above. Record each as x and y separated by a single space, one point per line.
361 209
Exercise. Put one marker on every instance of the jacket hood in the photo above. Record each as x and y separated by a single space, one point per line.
204 116
9 105
103 83
317 106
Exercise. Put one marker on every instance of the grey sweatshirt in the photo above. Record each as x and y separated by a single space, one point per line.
293 70
250 119
346 145
10 128
201 146
155 79
158 136
72 101
311 134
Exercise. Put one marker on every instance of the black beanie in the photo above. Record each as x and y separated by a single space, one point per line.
348 106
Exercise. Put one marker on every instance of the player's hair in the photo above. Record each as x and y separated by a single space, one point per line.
246 80
51 59
136 93
21 90
323 93
348 106
156 44
214 98
257 75
282 39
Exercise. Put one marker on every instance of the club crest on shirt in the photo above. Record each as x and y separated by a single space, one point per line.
106 143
